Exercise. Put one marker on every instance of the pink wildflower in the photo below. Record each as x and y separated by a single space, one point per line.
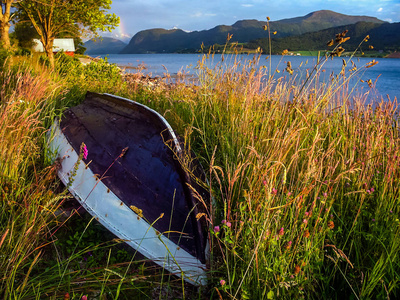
289 245
216 228
281 231
274 191
84 297
84 151
222 282
227 223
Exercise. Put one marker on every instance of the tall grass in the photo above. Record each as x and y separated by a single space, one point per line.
33 262
306 175
304 178
27 200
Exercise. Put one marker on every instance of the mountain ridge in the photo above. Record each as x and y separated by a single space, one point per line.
105 45
382 37
160 40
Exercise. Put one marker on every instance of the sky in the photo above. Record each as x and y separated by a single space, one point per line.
191 15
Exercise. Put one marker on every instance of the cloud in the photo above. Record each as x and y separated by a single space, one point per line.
196 15
247 5
380 9
201 15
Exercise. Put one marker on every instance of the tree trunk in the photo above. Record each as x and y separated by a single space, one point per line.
5 16
5 38
48 47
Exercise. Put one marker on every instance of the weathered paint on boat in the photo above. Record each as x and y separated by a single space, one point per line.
132 181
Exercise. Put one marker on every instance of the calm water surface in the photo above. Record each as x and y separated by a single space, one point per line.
386 72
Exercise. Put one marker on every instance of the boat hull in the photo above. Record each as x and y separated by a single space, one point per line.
132 181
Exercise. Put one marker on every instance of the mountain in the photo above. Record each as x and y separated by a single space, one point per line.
176 40
104 46
385 36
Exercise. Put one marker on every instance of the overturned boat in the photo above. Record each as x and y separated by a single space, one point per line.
123 162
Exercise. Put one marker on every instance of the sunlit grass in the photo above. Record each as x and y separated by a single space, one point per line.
304 177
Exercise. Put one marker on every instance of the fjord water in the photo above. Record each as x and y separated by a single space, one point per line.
386 73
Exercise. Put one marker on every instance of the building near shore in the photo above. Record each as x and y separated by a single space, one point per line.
65 45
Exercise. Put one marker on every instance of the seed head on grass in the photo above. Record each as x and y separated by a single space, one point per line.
296 270
331 225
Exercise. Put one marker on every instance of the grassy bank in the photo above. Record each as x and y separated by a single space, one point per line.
304 177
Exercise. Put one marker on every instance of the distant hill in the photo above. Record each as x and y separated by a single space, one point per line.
176 40
385 36
105 46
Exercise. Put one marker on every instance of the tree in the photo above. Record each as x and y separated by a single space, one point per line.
24 33
5 19
52 18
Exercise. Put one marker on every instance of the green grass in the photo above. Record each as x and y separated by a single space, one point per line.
305 190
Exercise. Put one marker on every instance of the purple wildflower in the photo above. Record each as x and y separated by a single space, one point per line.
216 228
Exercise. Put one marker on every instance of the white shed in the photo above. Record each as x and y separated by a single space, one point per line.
66 45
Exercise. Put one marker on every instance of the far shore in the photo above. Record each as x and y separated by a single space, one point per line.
88 58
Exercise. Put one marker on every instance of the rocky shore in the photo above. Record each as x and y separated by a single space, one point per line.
394 55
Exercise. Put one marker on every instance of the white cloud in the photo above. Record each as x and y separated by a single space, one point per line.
380 9
196 15
200 15
247 5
